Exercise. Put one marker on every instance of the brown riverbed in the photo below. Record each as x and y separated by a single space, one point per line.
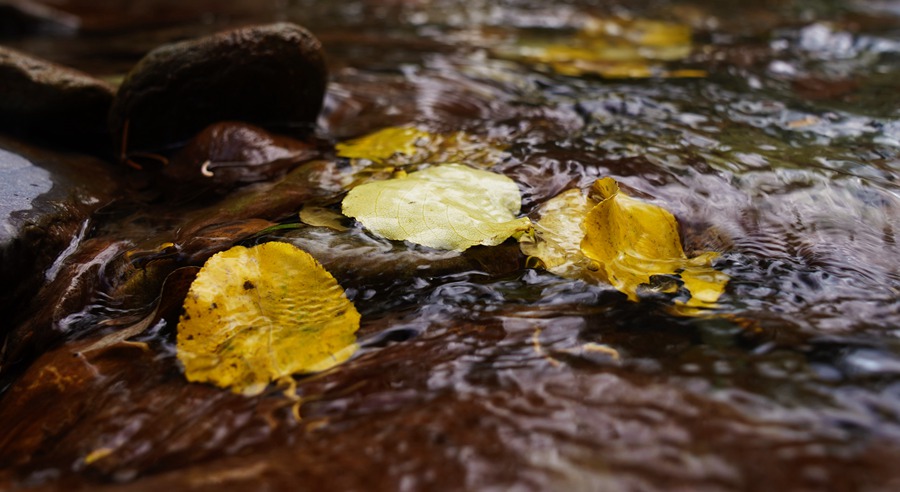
775 141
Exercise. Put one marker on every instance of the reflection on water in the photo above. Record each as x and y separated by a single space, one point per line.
478 373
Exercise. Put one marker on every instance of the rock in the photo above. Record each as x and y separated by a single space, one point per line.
357 260
51 102
273 76
20 17
120 16
46 202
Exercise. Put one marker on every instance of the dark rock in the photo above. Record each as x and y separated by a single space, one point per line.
19 18
118 16
273 76
50 102
358 261
819 89
46 201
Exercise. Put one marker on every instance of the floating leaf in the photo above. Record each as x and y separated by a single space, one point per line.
557 236
259 314
612 48
633 245
450 206
634 240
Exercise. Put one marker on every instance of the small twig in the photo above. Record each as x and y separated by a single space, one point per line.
539 349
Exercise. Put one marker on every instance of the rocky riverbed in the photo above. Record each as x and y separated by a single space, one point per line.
139 139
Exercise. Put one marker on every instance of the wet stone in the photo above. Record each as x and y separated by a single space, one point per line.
51 102
46 201
121 16
273 76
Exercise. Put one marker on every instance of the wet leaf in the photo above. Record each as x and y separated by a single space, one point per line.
634 240
231 153
633 245
450 206
381 145
323 217
255 315
401 146
611 48
556 241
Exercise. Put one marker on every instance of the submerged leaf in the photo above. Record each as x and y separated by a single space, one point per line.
254 315
381 145
633 245
401 146
323 217
450 206
612 48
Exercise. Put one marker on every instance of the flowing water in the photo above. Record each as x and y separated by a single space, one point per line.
479 373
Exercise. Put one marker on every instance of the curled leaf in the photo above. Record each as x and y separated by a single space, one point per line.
556 241
255 315
633 245
634 241
450 206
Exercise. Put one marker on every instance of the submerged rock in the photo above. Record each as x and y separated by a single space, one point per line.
273 76
51 102
46 201
357 260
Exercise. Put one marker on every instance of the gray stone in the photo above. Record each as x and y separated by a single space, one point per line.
273 76
50 102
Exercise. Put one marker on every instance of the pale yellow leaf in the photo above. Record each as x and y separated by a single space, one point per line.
254 315
450 206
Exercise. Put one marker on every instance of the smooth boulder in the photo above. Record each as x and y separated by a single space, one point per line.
52 103
273 76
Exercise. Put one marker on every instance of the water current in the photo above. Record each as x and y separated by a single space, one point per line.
782 154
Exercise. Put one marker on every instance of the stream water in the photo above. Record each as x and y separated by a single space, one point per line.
782 154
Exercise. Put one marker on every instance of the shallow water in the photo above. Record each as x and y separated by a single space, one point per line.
479 373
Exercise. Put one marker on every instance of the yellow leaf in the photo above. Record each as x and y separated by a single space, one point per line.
633 240
633 245
450 206
383 144
556 241
254 315
611 48
400 146
322 217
